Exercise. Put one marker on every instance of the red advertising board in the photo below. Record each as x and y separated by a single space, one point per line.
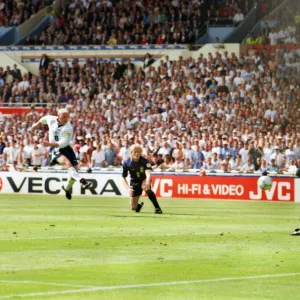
18 110
222 187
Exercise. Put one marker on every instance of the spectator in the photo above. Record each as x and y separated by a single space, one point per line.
178 163
14 13
225 166
10 152
167 164
277 156
44 62
148 60
161 112
197 158
125 151
248 166
238 17
110 155
2 145
292 168
98 157
21 156
283 29
263 167
238 163
36 155
156 161
273 167
115 23
165 149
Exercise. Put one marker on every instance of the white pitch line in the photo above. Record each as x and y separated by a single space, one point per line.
132 286
47 283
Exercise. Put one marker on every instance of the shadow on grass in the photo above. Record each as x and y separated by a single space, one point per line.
143 215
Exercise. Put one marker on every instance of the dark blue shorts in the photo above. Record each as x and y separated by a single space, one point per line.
67 152
137 188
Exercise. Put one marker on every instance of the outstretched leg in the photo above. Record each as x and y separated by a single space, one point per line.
73 176
152 197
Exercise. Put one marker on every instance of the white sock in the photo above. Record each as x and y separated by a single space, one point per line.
70 183
74 174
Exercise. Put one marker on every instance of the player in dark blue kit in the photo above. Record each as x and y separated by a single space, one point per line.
139 169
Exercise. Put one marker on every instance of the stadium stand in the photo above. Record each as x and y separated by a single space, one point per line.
286 29
280 27
14 13
218 113
137 22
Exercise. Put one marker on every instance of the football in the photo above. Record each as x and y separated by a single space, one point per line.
264 182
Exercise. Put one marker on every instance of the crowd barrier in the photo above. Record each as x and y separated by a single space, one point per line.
18 110
171 185
27 58
94 47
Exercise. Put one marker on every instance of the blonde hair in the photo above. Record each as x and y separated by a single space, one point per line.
62 111
135 147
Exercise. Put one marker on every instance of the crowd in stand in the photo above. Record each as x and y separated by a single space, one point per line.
135 22
282 27
15 12
220 112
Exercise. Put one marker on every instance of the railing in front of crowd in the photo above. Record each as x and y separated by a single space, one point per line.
94 47
19 105
220 22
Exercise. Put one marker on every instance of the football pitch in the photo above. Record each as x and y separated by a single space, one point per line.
96 248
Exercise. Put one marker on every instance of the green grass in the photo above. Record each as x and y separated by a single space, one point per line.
52 248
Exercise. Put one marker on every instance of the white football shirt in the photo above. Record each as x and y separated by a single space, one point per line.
62 134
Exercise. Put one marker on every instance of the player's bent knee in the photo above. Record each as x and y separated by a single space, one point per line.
64 161
149 192
68 164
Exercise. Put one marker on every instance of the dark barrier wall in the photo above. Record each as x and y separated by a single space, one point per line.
212 32
9 36
243 29
37 30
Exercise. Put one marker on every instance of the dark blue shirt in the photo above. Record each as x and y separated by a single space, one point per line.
136 169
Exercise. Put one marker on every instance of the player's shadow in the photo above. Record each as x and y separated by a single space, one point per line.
175 214
151 215
140 216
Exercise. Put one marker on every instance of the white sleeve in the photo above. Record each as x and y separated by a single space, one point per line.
44 120
66 138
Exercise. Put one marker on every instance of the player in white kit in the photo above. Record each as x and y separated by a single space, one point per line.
60 140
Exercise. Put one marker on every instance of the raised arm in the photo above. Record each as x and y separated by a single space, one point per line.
37 124
42 120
